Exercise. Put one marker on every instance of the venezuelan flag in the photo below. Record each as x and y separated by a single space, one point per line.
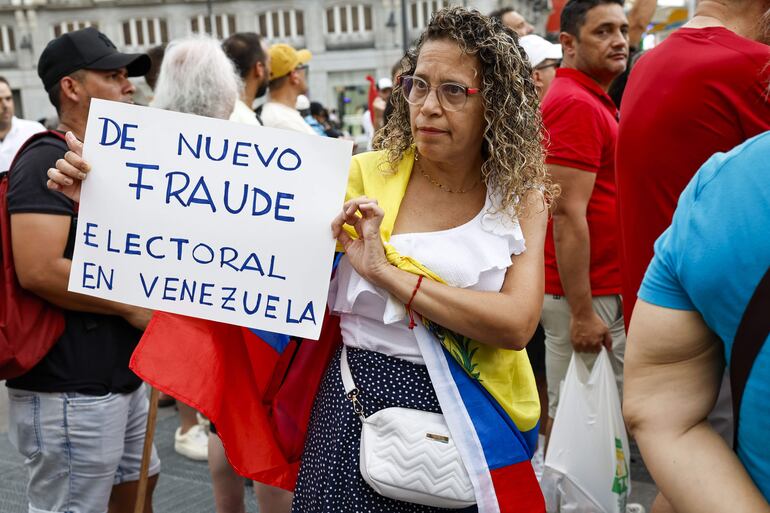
258 388
495 445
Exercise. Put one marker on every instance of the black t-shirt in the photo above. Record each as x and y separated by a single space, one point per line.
91 357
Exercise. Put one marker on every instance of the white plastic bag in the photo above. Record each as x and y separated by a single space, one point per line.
587 463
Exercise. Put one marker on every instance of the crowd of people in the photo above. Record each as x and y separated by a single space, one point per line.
520 193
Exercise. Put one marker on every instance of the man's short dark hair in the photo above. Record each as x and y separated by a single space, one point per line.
316 108
573 16
279 82
498 14
4 80
54 93
245 50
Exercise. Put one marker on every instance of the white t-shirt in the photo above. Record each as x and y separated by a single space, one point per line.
278 115
243 114
21 130
474 256
368 126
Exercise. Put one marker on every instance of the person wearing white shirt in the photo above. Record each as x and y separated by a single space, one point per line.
13 131
288 80
544 57
251 58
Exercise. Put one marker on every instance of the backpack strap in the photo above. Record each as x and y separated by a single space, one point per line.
749 339
32 139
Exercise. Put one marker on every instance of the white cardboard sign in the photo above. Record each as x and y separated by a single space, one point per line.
208 218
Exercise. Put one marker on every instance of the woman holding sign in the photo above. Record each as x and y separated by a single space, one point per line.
440 289
441 284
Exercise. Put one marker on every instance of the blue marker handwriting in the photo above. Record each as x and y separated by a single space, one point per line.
180 249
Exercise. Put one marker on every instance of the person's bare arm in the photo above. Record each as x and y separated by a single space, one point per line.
572 242
673 369
504 319
38 243
639 17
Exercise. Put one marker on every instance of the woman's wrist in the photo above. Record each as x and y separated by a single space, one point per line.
382 275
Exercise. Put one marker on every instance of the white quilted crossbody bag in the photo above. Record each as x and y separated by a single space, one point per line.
408 454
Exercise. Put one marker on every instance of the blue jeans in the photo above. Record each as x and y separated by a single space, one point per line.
78 446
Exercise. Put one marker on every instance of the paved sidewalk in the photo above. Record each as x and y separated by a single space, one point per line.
184 485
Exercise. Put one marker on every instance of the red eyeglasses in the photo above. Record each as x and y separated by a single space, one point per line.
451 96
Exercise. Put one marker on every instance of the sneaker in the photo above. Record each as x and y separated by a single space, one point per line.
194 444
634 507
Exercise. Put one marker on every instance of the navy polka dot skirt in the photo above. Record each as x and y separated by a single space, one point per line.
329 477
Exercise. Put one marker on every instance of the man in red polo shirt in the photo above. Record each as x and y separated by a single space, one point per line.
702 91
582 309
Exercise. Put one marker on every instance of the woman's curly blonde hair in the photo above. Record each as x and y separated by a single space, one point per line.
512 148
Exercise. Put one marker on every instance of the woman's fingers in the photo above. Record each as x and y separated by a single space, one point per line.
343 219
355 213
73 144
351 206
337 223
344 239
371 210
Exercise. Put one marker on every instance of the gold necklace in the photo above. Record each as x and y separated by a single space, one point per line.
438 184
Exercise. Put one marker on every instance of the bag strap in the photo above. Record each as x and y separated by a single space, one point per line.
347 376
33 138
351 390
749 339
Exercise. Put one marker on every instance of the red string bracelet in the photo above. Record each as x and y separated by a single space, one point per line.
409 304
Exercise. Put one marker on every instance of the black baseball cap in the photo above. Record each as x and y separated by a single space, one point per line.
86 49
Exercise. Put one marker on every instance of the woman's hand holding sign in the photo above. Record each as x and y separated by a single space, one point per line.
69 173
366 253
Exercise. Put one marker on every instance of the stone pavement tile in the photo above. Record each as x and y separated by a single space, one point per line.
185 486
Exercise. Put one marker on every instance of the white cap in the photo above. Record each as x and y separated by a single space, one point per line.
384 83
538 49
302 103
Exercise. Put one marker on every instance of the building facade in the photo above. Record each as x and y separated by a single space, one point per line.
350 39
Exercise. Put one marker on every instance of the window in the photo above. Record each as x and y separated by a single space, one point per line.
349 19
7 41
140 32
282 24
420 12
69 26
220 26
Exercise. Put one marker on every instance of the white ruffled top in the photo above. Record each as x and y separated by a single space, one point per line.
474 255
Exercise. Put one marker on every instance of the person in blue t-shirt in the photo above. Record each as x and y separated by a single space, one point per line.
317 117
707 267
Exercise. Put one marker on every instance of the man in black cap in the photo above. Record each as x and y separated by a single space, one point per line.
79 415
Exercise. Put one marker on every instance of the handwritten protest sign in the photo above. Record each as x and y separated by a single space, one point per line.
208 218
